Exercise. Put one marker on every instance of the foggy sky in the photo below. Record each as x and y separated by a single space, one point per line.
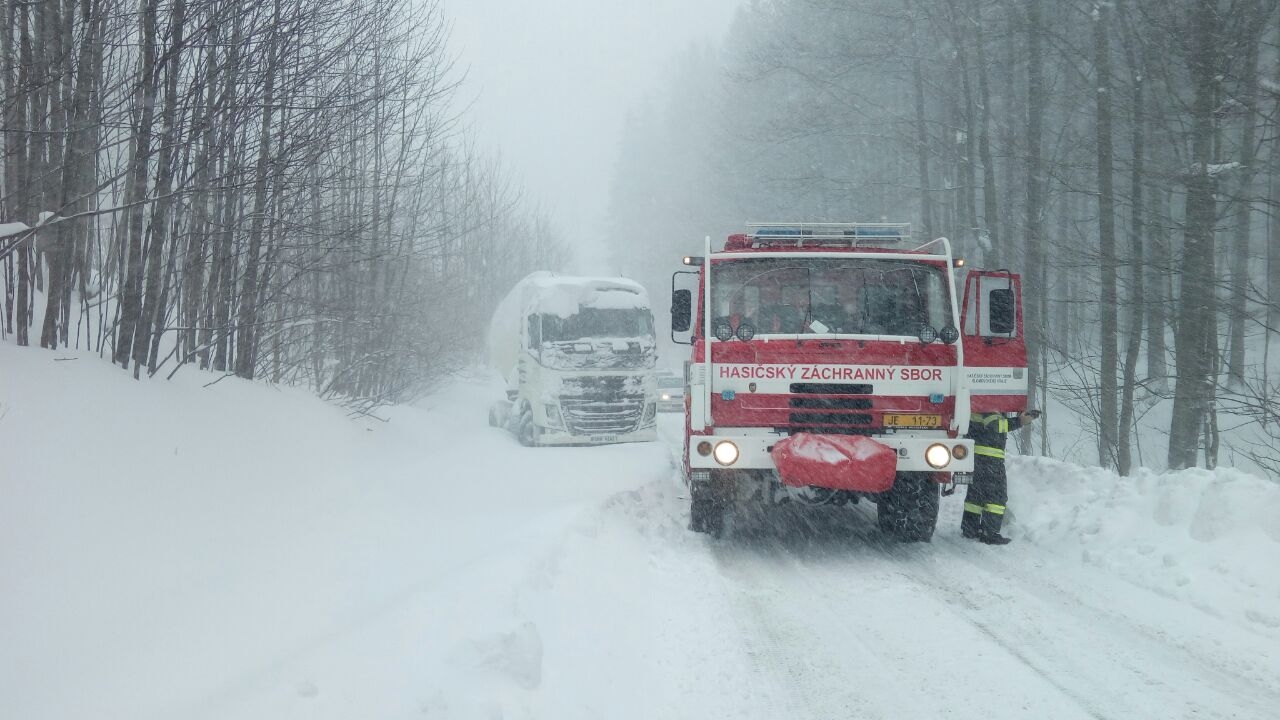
550 83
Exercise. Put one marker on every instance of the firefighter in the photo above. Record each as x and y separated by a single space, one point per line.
984 501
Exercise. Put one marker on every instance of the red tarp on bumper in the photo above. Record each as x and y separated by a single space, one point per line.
839 462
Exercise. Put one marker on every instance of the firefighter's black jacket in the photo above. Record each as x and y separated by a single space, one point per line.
989 432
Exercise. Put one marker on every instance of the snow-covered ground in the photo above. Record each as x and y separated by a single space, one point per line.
171 550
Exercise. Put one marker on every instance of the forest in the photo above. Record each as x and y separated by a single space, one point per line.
1122 156
276 189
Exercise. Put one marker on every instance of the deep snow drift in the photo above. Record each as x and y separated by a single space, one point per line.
170 550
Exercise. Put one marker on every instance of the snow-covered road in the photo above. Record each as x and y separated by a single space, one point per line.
814 615
237 552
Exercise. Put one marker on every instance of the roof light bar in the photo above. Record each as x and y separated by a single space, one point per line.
828 233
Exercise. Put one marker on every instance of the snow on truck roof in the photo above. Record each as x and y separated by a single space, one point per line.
564 295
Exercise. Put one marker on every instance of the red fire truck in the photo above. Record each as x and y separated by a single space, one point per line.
833 362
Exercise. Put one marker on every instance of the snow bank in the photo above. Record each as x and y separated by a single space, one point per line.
171 550
1208 538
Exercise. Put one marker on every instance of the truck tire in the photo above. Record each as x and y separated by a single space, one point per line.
909 510
706 509
526 431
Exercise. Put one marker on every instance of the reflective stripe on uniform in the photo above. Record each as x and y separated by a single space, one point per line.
971 508
988 451
995 509
1002 423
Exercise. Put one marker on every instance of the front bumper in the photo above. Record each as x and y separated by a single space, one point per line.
754 451
560 437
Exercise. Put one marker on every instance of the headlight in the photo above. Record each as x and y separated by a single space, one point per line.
959 452
666 397
726 453
937 455
650 410
553 416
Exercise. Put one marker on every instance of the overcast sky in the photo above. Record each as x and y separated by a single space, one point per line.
551 82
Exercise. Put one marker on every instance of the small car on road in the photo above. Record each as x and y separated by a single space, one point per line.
670 392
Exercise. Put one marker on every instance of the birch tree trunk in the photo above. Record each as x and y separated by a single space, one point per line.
1240 255
246 352
1106 238
921 128
145 99
1033 310
1137 294
990 211
154 306
1195 335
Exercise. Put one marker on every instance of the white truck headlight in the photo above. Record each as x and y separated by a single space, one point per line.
725 452
553 415
937 455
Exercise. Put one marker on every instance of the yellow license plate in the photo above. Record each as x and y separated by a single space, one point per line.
913 421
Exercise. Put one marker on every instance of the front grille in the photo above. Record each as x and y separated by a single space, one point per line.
602 417
830 418
828 414
835 403
826 430
598 385
829 389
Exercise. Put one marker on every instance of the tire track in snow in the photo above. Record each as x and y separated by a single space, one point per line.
790 658
1127 643
830 617
1115 668
1089 654
1232 666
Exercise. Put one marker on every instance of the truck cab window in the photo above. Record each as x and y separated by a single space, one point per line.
535 331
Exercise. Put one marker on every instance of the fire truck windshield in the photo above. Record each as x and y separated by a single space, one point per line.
846 296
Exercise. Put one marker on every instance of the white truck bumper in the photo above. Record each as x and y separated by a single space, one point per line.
560 437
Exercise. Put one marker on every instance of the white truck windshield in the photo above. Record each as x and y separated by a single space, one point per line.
596 323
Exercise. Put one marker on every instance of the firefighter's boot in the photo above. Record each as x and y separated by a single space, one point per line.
971 521
989 528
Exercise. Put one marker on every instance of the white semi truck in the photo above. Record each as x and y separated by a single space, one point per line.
578 357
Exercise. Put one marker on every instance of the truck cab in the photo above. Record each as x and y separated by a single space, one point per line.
828 365
578 357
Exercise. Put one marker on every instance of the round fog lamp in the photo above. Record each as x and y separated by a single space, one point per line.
959 452
726 453
927 334
704 448
937 455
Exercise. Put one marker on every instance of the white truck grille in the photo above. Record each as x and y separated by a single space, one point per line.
602 417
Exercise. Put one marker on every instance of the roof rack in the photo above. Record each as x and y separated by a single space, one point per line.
800 234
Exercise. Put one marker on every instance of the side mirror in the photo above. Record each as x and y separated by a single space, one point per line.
681 310
1002 312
